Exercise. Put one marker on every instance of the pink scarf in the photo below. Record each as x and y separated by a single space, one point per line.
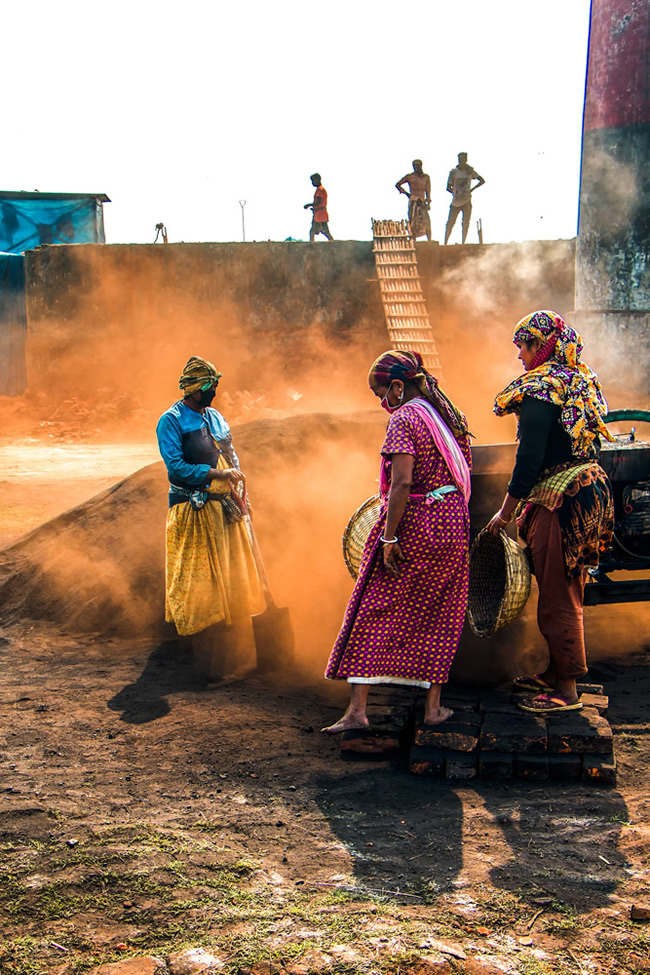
445 443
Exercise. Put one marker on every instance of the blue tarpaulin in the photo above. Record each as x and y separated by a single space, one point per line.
28 220
13 325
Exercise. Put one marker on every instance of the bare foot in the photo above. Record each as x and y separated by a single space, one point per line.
438 716
348 722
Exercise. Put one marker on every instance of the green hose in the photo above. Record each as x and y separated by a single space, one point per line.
614 415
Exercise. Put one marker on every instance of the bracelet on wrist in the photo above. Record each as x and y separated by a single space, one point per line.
388 541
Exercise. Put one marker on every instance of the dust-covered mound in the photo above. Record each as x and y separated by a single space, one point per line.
100 566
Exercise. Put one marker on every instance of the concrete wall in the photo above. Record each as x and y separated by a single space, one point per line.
116 314
613 259
614 226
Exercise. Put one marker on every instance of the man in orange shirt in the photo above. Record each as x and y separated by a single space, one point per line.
319 208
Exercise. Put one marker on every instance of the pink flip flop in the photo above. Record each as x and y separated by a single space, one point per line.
549 704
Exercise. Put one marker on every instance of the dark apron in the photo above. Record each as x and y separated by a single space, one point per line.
199 447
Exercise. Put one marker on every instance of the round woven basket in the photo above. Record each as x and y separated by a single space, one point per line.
356 534
499 582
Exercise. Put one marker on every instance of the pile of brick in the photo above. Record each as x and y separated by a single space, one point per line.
490 737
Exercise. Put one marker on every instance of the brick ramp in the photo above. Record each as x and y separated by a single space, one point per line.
490 737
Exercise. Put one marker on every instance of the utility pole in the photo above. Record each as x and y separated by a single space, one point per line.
242 204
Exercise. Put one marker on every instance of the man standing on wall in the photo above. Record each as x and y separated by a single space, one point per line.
419 196
319 223
460 184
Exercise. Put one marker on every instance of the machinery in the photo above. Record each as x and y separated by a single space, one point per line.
627 463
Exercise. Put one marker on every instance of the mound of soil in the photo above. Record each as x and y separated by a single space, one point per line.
99 567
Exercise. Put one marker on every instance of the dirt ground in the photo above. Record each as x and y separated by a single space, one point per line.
143 812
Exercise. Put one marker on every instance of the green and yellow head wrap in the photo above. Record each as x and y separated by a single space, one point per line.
198 374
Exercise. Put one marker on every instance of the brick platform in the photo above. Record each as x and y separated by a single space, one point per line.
489 737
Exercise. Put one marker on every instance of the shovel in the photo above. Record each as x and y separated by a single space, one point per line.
274 640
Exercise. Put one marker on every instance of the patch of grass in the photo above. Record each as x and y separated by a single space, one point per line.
621 820
533 966
563 925
130 882
622 948
28 955
351 896
497 908
206 826
247 950
144 835
19 954
168 925
429 891
37 845
51 903
568 922
336 926
627 739
86 858
244 867
398 961
161 884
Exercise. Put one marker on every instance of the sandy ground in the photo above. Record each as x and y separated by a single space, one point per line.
39 480
142 812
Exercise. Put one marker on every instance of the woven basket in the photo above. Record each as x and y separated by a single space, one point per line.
356 534
499 582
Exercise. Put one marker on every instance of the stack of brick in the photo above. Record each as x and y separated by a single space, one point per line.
490 737
387 736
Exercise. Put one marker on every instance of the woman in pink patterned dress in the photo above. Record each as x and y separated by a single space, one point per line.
405 616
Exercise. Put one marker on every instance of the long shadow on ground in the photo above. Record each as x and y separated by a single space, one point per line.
564 841
415 835
169 670
404 833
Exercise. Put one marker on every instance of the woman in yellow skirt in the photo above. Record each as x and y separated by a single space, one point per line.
212 583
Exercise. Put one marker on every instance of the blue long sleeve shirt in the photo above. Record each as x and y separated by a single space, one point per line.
176 421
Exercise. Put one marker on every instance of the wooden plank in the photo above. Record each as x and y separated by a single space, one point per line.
407 320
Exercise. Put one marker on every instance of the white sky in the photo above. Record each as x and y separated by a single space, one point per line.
178 111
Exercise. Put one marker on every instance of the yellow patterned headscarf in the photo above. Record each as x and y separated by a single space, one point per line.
198 373
557 376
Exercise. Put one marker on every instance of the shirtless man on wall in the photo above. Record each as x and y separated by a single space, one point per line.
459 183
419 196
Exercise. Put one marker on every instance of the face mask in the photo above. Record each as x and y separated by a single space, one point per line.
207 395
386 405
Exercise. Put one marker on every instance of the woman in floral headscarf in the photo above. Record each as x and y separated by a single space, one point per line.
561 494
404 619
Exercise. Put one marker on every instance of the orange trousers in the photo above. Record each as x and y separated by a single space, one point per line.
560 606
